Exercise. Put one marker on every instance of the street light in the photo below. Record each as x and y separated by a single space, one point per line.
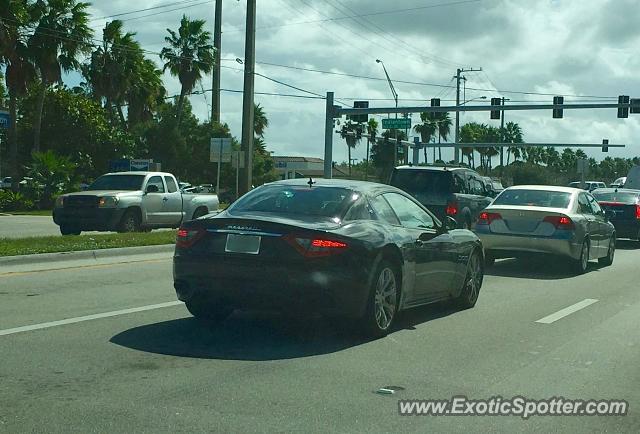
474 99
395 98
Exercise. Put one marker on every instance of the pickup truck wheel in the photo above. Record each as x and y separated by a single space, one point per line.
69 230
130 222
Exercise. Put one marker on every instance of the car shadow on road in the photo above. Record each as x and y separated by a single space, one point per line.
258 336
536 268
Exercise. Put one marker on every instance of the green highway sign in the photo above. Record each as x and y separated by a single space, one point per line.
400 123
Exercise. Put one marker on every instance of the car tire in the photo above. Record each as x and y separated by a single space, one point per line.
581 264
382 306
69 230
472 282
130 222
489 261
207 311
608 260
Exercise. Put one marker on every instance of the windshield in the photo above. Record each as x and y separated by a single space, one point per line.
422 182
616 196
542 198
297 200
118 182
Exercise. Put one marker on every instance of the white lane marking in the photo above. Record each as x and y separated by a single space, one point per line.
567 311
46 325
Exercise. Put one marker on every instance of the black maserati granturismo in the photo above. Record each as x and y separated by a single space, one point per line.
336 247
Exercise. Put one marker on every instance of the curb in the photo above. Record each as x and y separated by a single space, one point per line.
84 254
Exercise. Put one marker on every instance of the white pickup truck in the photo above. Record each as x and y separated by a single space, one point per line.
130 202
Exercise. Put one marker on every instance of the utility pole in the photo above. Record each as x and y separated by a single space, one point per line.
217 41
502 134
459 77
247 97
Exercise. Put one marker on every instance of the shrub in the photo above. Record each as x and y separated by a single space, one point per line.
10 201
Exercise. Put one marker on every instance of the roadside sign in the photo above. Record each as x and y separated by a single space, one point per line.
220 150
237 159
400 123
582 165
140 165
5 119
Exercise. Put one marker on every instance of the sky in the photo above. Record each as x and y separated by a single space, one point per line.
578 48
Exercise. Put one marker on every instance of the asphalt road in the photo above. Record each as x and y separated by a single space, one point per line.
21 226
158 370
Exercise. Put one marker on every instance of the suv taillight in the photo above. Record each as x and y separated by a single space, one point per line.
452 208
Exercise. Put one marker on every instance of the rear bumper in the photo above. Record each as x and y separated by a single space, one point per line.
502 245
88 219
323 289
627 228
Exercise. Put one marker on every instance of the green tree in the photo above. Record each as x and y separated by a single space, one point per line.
189 55
372 130
55 173
348 133
61 35
427 130
383 153
444 129
146 92
471 132
15 22
260 121
512 134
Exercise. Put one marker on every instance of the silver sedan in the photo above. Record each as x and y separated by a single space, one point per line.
530 219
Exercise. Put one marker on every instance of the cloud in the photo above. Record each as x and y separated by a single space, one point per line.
547 46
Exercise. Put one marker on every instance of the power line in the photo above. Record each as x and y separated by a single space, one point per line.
169 10
165 5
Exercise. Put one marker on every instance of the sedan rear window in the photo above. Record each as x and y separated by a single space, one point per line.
542 198
297 200
622 197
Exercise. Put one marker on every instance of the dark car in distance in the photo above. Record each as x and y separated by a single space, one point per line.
456 192
336 247
623 210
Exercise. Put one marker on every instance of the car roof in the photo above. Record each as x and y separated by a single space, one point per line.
546 188
362 186
432 168
134 172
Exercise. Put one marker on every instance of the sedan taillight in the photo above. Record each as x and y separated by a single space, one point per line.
486 218
314 247
452 209
560 222
638 212
186 237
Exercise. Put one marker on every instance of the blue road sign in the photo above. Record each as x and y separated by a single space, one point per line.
5 119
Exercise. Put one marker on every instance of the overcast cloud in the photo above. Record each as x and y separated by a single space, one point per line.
572 47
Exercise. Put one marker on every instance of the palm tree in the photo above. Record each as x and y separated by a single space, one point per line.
260 121
512 133
372 130
426 129
444 129
348 133
146 92
189 56
62 33
114 68
15 19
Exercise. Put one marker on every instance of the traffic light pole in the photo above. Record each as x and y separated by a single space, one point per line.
217 40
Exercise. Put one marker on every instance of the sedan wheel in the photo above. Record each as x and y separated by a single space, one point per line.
581 265
608 260
383 302
472 284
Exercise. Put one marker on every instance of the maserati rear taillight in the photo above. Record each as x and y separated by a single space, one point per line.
452 208
186 237
313 247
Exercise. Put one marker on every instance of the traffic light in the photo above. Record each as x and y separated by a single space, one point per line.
623 112
635 105
435 102
604 143
360 118
495 114
557 113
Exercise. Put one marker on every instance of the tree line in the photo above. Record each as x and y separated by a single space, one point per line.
122 108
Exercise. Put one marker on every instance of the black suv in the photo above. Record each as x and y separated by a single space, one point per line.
457 192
